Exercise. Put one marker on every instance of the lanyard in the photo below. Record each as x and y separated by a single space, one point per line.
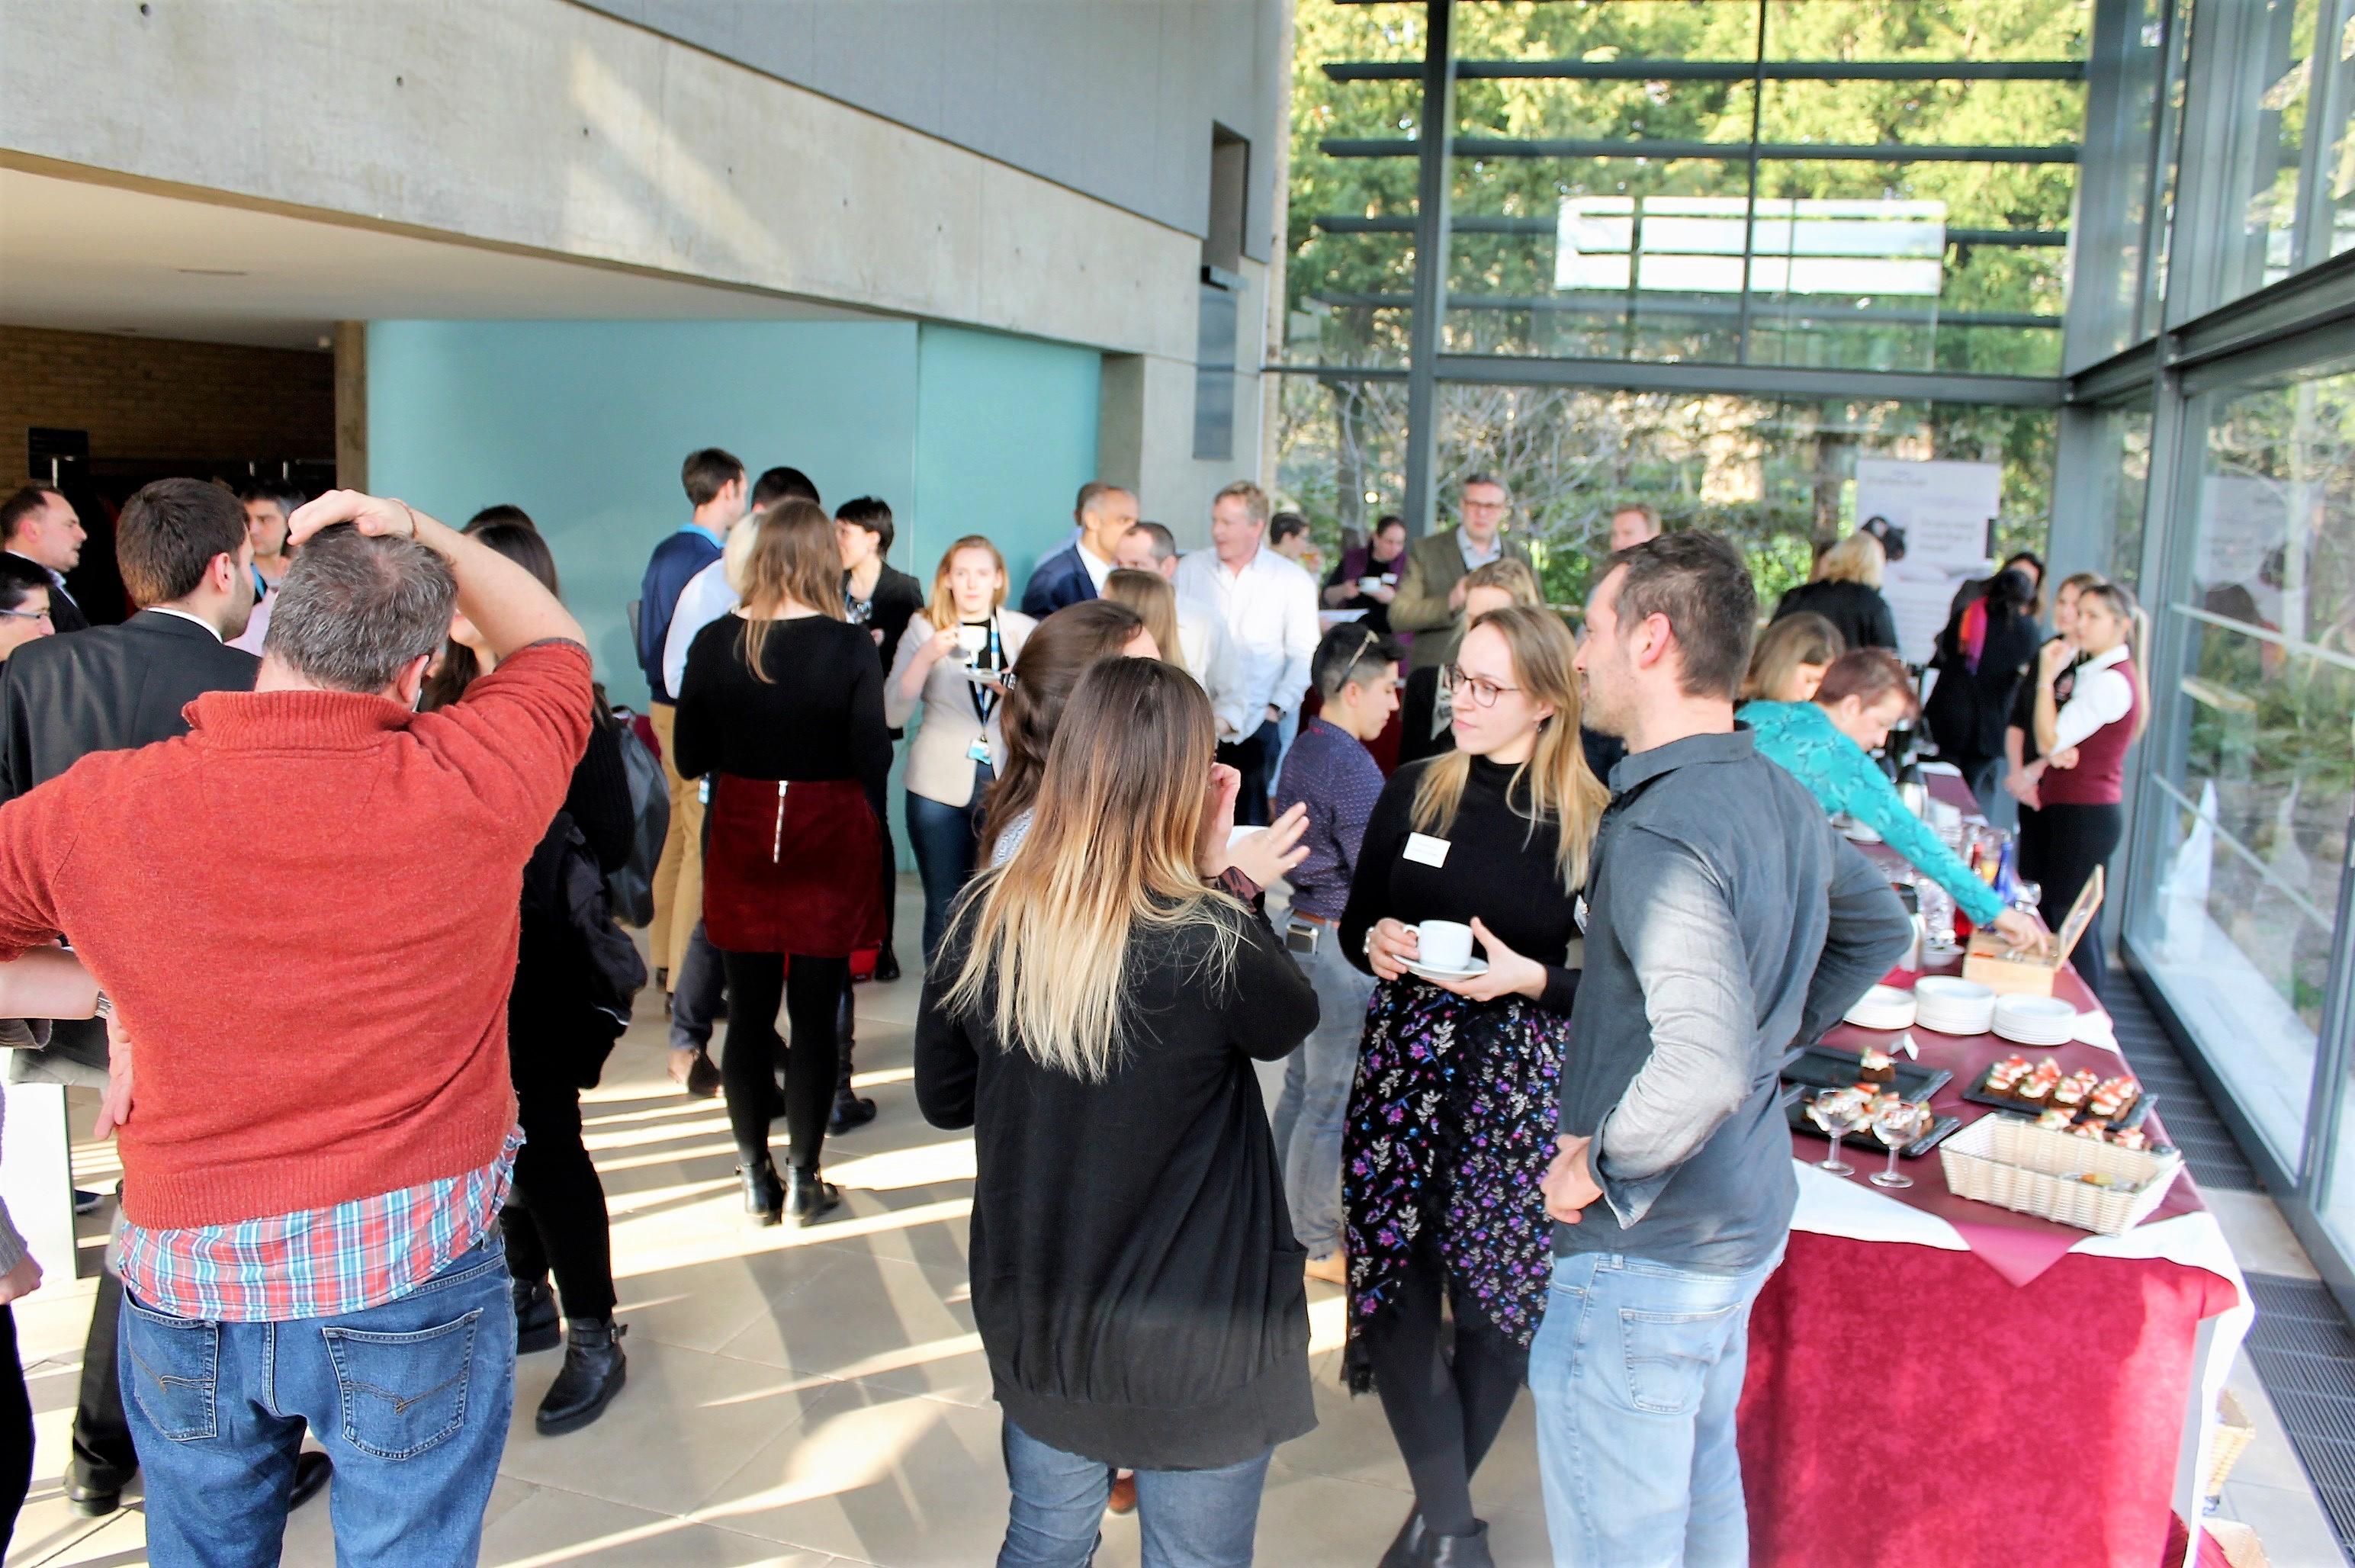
984 699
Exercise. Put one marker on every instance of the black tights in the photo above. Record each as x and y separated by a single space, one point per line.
811 991
555 1218
1443 1410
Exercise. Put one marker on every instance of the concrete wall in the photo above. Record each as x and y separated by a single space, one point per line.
162 398
1114 99
584 424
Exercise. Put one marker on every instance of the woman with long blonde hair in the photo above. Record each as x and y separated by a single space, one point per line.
1845 589
955 665
1094 1015
1452 1120
1788 660
1149 594
782 708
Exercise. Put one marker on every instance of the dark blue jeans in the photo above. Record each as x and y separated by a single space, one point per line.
410 1399
1188 1519
947 841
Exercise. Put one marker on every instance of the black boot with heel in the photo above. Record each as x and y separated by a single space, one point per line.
764 1195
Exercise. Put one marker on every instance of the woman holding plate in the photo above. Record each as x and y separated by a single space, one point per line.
957 674
1452 1120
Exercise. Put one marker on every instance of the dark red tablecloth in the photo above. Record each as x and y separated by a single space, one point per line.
1910 1406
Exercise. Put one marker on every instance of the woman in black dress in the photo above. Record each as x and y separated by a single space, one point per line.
782 710
555 1219
1983 654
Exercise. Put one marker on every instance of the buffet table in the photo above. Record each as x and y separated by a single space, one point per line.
1938 1381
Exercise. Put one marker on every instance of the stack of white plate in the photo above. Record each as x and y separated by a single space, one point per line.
1953 1006
2035 1021
1883 1006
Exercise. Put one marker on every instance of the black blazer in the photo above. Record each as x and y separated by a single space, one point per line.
1859 613
109 688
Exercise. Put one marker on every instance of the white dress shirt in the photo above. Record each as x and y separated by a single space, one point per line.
2101 697
1209 655
183 615
1097 570
704 600
1270 611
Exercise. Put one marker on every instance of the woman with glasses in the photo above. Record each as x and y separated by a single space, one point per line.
1452 1120
24 604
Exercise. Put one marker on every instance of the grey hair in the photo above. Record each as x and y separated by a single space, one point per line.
1482 476
355 610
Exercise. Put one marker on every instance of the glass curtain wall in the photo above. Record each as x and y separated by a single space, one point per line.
2211 466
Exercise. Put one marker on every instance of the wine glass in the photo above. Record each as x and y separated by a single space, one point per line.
1897 1126
1838 1112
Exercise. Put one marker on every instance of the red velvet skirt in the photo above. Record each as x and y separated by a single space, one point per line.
792 867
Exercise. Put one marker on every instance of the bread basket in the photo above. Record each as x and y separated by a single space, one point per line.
2017 1165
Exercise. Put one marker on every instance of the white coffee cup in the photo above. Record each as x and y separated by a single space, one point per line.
973 639
1444 944
1367 585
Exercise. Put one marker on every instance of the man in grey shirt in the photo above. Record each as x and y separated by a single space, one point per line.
1726 920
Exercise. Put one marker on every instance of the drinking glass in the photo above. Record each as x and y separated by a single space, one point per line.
1898 1126
1838 1112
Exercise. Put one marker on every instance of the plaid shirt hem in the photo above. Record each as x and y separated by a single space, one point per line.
317 1262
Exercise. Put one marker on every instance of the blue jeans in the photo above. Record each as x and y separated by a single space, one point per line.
947 840
410 1400
1315 1099
1637 1370
1188 1519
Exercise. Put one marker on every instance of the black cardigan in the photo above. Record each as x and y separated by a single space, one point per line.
1134 1276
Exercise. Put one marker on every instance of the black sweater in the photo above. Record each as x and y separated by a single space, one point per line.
1859 612
820 717
1496 867
1134 1276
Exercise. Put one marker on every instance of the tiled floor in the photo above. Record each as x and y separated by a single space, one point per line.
809 1397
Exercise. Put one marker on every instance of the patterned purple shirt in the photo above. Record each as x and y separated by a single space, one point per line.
1332 771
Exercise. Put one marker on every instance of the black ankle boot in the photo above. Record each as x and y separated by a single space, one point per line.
764 1195
1411 1537
536 1325
595 1370
886 968
849 1110
1456 1551
809 1196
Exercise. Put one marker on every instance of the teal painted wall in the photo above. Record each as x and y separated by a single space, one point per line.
1006 435
584 424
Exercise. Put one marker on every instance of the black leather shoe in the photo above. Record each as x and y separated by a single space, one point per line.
850 1111
1456 1551
536 1327
595 1370
809 1196
886 968
703 1076
764 1195
94 1493
311 1474
1411 1537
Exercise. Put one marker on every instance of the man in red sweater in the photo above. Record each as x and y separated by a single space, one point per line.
313 1173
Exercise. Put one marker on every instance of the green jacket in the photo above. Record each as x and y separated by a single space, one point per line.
1435 565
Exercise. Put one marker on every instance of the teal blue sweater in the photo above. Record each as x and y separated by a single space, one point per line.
1836 770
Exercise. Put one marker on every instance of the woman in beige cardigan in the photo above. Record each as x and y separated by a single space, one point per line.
956 673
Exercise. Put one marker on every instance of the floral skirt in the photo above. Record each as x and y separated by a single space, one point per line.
1451 1127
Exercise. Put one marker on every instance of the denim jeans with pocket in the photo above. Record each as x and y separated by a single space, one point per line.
947 840
1186 1519
409 1399
1314 1103
1637 1370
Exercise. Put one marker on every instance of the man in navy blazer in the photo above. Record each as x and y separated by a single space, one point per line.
1077 571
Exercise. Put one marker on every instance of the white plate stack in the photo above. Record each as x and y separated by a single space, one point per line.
1953 1006
1883 1006
2035 1021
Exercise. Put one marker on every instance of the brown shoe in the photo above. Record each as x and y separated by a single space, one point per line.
1124 1493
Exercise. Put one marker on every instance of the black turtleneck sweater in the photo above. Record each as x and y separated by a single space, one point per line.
1499 866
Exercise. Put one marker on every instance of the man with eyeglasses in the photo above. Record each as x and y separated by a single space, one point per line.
24 604
1431 589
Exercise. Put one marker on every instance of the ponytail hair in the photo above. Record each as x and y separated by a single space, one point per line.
2120 601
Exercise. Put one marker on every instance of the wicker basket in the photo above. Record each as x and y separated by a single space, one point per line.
2017 1165
2234 1432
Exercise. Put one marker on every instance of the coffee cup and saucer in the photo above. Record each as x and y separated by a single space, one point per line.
1444 950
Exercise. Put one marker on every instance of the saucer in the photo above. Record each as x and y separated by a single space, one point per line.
1478 966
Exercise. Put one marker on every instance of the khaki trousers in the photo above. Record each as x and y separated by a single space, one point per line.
679 875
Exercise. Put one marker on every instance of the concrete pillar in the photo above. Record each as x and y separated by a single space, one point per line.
351 405
1120 426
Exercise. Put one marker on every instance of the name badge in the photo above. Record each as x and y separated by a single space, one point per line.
978 751
1426 851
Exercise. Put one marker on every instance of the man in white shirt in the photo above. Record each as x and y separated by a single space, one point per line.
38 524
1076 571
1269 606
1204 643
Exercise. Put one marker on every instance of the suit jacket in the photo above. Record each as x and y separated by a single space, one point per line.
1059 580
1432 567
65 615
106 690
